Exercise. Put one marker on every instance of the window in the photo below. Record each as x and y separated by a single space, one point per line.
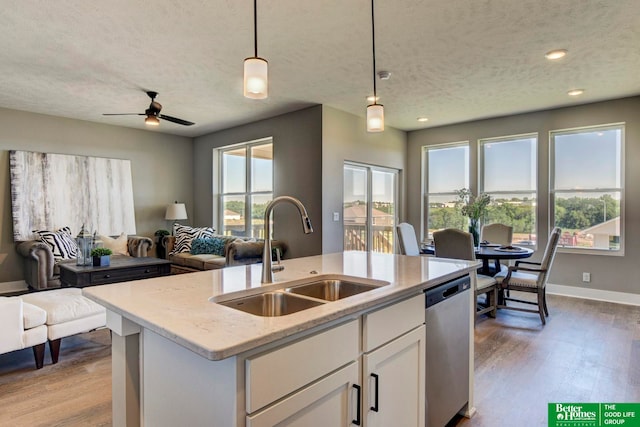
446 169
246 187
587 186
369 208
508 173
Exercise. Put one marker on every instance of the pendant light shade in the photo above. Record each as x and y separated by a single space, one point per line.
256 81
375 118
375 111
256 78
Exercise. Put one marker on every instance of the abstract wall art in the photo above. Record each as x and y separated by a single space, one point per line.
51 191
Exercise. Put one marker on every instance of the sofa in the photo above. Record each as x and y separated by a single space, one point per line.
23 326
234 250
41 268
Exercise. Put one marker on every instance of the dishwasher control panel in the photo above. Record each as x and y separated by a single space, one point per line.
447 290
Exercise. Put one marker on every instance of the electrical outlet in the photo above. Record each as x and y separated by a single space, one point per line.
586 277
336 216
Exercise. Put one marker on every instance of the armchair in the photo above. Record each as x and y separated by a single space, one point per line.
42 272
527 276
23 325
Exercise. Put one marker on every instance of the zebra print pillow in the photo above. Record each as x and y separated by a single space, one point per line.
62 244
185 235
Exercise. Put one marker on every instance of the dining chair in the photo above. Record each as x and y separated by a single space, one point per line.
500 234
407 240
529 276
457 244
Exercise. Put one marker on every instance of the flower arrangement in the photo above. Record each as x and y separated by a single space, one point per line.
472 206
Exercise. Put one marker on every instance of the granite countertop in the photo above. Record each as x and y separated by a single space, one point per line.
178 307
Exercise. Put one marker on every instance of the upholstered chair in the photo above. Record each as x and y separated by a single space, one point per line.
407 240
22 326
457 244
500 234
528 276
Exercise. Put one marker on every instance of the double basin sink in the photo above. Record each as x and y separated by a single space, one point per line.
300 296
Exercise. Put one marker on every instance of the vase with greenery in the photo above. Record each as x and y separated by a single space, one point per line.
474 207
101 257
160 248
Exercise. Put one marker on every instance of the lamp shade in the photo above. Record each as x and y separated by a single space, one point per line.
256 78
375 118
176 211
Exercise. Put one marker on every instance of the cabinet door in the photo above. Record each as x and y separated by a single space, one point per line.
394 382
332 401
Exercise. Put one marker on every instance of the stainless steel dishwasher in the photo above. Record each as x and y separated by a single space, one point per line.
448 314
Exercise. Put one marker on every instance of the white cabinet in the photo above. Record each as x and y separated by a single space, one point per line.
328 402
394 382
393 365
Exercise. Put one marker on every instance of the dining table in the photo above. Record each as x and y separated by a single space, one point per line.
488 252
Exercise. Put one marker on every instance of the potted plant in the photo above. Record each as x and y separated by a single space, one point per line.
475 208
160 249
101 257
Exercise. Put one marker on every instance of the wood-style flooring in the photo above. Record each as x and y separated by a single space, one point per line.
589 351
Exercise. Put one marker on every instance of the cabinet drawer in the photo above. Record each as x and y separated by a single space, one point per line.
123 274
381 326
272 375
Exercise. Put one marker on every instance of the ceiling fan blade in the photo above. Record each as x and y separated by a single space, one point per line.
175 120
123 114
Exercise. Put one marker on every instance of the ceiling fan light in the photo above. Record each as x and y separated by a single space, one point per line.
375 118
256 78
152 121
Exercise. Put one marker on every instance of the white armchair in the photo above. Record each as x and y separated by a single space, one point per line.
23 326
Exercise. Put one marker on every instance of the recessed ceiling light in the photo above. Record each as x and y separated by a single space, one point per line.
555 54
423 119
372 98
575 92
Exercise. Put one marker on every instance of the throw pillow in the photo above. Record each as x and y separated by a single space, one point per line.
117 245
185 235
61 242
203 245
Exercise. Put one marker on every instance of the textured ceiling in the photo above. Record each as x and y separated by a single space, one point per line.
451 60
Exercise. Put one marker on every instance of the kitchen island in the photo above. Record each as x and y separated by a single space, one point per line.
179 358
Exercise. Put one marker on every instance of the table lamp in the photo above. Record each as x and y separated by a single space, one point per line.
175 211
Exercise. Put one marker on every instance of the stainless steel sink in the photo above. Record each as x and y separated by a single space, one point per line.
330 289
271 304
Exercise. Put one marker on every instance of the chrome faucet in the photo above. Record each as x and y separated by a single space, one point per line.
267 272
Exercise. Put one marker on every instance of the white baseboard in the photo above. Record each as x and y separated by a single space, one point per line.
594 294
17 286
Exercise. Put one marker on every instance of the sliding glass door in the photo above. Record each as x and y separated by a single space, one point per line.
369 208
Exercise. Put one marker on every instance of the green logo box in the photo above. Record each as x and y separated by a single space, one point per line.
594 414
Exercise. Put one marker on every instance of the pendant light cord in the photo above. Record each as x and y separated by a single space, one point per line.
373 39
255 28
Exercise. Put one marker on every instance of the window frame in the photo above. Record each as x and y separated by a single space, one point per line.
536 168
247 194
424 220
553 190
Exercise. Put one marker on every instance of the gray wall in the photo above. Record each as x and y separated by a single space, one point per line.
345 138
613 273
297 152
161 168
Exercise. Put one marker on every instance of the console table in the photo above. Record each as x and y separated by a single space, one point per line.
122 269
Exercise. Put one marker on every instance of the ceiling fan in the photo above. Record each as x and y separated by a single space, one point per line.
153 113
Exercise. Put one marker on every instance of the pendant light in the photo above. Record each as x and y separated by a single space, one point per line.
375 111
255 68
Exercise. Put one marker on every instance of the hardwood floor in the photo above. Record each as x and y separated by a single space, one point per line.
589 351
74 392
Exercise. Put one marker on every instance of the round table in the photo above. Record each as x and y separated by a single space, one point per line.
486 253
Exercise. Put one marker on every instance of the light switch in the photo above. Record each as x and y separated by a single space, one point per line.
336 216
